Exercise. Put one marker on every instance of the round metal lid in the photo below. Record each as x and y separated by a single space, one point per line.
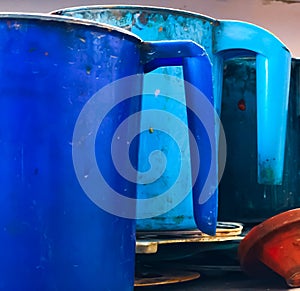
163 277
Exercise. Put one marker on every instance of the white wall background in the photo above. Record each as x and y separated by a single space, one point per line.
280 18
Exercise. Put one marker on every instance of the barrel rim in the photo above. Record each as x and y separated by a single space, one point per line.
144 8
69 20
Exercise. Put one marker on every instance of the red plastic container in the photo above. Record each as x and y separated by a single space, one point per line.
275 243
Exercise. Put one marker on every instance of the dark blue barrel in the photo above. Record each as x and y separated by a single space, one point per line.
239 190
52 236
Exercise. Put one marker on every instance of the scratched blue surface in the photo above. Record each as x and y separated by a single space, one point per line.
222 40
52 236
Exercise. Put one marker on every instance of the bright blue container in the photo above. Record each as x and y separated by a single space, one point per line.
222 39
52 236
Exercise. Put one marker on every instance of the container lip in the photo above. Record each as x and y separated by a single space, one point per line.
158 9
225 21
151 8
69 20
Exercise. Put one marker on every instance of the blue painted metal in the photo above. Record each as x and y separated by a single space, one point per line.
222 40
52 236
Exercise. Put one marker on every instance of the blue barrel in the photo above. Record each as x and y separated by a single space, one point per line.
52 235
224 39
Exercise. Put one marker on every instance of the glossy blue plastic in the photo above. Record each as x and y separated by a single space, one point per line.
52 236
272 91
221 39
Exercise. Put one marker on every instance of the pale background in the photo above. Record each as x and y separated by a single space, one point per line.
280 17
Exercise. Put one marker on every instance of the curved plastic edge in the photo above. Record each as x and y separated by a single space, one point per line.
273 62
197 71
118 7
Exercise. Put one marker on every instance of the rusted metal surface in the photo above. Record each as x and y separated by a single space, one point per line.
163 277
149 242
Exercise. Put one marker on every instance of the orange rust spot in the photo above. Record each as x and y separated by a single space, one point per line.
242 105
160 29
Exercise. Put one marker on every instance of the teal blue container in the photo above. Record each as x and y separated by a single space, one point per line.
222 39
